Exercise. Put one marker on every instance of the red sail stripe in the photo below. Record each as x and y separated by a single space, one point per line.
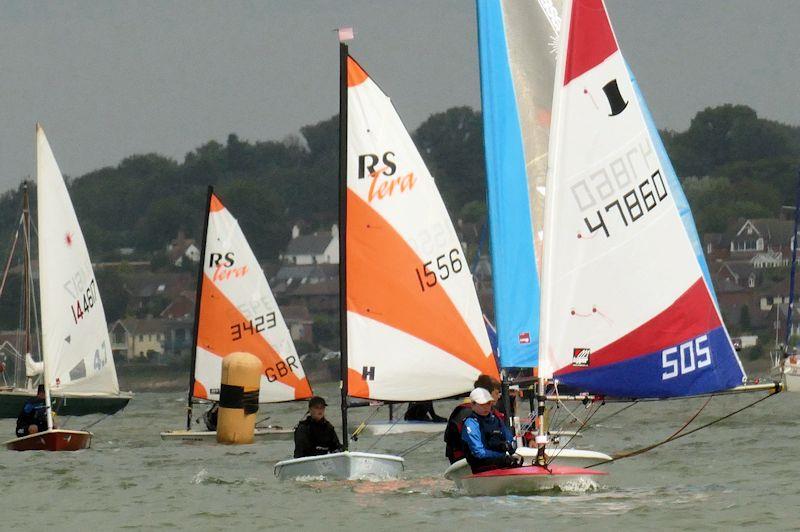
692 314
591 39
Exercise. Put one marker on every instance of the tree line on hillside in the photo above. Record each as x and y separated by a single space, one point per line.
732 164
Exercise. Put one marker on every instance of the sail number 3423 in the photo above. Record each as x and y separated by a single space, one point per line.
685 358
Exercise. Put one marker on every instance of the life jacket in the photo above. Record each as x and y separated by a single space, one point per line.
491 432
454 448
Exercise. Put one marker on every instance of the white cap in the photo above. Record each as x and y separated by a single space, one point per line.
480 396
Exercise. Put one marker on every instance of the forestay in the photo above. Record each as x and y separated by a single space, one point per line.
238 313
626 307
517 43
77 351
414 327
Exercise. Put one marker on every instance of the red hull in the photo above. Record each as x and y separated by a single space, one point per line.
52 440
535 470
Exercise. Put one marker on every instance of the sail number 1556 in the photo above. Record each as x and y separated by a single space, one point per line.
441 269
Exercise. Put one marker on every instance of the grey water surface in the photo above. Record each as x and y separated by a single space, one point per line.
739 474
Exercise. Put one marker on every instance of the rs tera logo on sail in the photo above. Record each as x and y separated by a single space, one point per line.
383 183
685 358
224 266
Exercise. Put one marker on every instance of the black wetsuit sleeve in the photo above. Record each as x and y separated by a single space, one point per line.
333 438
302 441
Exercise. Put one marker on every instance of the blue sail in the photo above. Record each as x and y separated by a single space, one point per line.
516 94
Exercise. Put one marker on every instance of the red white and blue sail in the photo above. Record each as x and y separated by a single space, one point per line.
517 56
627 306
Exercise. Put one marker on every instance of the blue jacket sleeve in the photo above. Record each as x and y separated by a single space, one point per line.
471 436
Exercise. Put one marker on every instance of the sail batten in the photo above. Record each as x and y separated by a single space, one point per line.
238 312
627 305
414 326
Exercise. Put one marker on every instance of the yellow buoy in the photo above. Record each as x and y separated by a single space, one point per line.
238 398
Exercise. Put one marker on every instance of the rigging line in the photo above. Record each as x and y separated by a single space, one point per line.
419 444
10 257
602 419
572 437
360 428
677 436
90 425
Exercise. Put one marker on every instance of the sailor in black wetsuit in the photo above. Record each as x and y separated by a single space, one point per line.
315 435
423 411
33 416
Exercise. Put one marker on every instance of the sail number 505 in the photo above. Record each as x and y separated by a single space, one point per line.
445 265
685 358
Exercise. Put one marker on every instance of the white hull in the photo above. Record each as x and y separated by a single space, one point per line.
403 427
458 471
267 434
791 382
341 466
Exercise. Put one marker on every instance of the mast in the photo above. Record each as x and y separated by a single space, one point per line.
343 55
786 352
199 296
26 276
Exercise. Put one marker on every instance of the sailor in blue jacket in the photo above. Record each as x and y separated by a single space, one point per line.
489 443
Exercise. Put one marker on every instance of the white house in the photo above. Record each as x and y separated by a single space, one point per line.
317 248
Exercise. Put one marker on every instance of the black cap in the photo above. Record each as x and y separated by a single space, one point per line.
316 401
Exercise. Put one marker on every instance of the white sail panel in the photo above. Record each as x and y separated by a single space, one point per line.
405 265
625 306
76 347
238 312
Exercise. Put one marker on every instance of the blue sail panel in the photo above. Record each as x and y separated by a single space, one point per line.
516 281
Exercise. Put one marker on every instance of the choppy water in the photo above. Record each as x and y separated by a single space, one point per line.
741 473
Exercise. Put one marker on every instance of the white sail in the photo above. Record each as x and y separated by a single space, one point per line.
238 313
414 326
626 307
76 348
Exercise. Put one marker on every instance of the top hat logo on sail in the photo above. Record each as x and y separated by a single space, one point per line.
615 99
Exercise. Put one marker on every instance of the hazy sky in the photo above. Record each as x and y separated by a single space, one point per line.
109 79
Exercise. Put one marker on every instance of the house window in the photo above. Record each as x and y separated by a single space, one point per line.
709 248
141 338
119 337
751 281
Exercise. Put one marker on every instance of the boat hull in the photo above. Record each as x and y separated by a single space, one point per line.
529 479
403 427
341 466
576 458
268 434
11 402
52 440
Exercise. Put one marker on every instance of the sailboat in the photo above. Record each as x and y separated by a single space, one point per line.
627 307
517 43
411 325
236 311
76 351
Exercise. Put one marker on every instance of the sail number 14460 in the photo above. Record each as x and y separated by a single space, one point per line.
84 303
685 358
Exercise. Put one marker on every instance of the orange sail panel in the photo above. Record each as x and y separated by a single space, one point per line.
238 313
415 328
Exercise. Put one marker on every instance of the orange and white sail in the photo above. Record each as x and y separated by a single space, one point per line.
414 326
238 312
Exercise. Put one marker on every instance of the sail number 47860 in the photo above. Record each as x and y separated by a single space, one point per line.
442 269
685 358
